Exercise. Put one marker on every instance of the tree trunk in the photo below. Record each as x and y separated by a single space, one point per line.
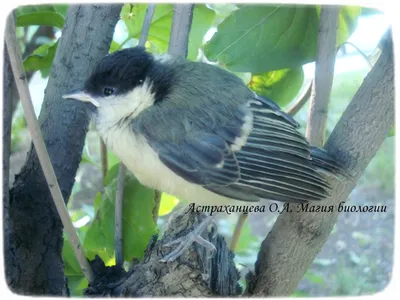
8 96
33 256
193 274
297 237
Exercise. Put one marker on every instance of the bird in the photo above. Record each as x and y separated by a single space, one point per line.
197 131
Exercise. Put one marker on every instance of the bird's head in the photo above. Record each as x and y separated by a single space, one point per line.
119 80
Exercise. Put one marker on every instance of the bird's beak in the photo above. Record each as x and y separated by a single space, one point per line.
81 96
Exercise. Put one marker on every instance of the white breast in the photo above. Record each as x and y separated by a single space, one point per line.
143 162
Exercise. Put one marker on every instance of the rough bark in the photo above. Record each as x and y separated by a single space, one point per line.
8 96
193 274
297 237
33 259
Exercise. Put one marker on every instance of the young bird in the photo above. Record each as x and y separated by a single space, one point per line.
198 132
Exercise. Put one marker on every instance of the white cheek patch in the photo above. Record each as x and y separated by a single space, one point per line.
114 109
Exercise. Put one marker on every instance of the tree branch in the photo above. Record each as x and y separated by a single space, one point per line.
157 201
194 274
238 231
181 24
122 169
361 53
104 159
297 237
8 96
37 138
324 70
294 109
35 239
119 203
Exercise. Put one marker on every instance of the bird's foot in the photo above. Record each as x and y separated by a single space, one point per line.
184 242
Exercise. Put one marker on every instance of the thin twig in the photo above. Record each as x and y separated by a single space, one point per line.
324 70
146 24
119 199
294 109
119 255
37 138
180 29
157 201
104 159
361 52
238 231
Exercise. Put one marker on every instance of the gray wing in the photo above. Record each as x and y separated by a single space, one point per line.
275 162
203 158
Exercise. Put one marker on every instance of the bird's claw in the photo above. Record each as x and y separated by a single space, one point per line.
184 242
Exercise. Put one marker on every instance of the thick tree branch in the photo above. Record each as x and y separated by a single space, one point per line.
194 274
324 69
37 138
8 96
34 262
296 238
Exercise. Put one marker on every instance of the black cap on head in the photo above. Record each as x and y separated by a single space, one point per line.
119 72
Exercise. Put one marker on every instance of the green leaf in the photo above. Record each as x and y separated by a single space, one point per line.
314 278
246 238
261 38
45 18
280 86
160 28
71 265
114 46
167 204
41 59
348 17
27 9
223 10
203 18
111 175
61 8
392 131
299 294
76 280
88 158
76 285
138 225
112 159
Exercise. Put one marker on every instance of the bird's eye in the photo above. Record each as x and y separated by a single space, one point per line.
108 91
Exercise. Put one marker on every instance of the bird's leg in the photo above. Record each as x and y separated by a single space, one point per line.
184 242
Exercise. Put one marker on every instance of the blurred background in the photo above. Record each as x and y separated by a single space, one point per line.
358 256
